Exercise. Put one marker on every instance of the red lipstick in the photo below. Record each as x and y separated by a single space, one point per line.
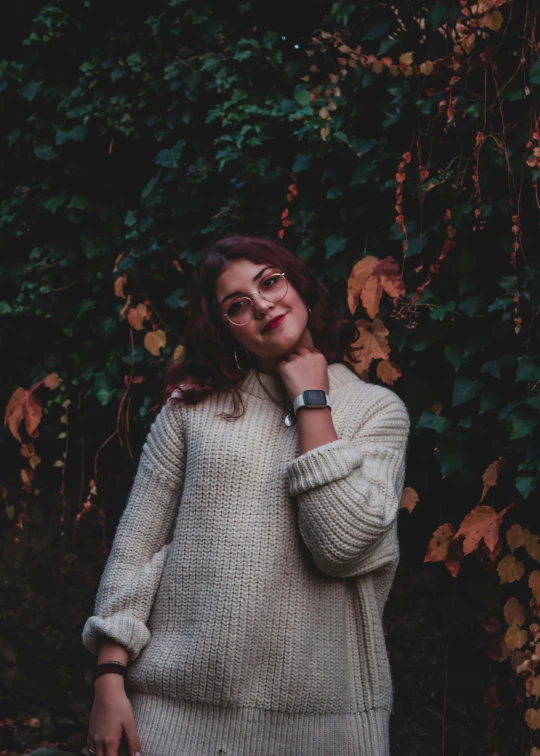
273 323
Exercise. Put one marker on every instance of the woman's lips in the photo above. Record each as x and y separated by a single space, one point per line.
274 323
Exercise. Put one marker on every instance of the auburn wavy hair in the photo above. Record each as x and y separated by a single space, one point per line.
208 364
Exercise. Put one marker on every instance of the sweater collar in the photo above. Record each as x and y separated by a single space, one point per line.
337 374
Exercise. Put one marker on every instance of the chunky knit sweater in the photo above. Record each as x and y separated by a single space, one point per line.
247 581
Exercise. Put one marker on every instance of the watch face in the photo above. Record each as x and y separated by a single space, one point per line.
315 398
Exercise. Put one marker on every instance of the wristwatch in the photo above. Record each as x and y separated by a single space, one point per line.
312 399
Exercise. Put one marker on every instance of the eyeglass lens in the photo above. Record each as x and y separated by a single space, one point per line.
272 289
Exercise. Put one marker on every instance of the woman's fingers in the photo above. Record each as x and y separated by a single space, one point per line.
132 738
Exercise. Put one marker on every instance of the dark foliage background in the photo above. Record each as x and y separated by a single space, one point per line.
131 138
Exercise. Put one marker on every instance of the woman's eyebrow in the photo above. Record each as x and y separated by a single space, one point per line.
239 293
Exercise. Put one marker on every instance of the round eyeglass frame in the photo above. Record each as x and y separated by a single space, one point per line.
258 291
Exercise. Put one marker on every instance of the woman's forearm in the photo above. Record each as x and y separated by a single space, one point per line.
111 651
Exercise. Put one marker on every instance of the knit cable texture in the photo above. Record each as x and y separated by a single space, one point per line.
247 581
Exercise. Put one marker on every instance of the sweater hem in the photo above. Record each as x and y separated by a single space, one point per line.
174 727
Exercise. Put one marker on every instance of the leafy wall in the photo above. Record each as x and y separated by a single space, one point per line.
394 147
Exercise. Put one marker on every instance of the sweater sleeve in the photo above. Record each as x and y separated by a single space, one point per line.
349 491
135 564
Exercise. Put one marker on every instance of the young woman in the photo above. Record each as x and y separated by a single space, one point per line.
242 599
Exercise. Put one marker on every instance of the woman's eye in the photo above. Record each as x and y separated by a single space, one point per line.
237 307
270 281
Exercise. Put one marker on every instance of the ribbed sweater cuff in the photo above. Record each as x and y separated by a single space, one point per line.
130 632
324 464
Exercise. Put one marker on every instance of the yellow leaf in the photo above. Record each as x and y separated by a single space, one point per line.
178 353
491 20
377 67
534 584
532 544
426 68
154 341
515 637
510 570
514 613
535 691
406 58
532 717
324 133
516 537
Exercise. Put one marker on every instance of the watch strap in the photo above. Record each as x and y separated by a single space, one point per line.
299 402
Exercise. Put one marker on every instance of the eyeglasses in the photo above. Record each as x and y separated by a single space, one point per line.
242 310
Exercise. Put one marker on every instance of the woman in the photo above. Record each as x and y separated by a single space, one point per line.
245 587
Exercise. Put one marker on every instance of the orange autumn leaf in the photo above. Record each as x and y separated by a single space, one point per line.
515 637
532 717
490 476
534 584
409 499
52 381
510 570
371 344
119 284
154 341
29 453
27 476
23 406
438 545
480 524
514 613
136 315
516 536
388 371
357 280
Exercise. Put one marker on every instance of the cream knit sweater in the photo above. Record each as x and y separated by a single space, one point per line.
248 582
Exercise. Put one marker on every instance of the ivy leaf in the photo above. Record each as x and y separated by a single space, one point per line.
334 244
30 90
534 73
527 370
302 162
45 152
430 419
464 390
170 158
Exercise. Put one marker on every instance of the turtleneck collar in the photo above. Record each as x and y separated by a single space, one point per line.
337 374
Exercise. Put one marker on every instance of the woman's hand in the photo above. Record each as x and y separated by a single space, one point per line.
306 367
112 718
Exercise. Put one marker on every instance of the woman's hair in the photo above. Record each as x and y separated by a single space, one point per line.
208 364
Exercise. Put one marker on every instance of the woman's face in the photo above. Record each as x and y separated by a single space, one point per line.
243 278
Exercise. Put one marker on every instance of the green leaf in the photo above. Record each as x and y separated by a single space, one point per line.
526 484
334 244
534 73
471 305
439 313
386 45
464 390
302 95
170 158
131 219
176 300
302 162
53 203
76 134
522 425
30 90
429 419
5 308
149 187
454 355
452 456
436 16
527 370
45 152
489 400
377 30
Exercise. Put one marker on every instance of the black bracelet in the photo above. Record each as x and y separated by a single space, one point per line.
101 669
